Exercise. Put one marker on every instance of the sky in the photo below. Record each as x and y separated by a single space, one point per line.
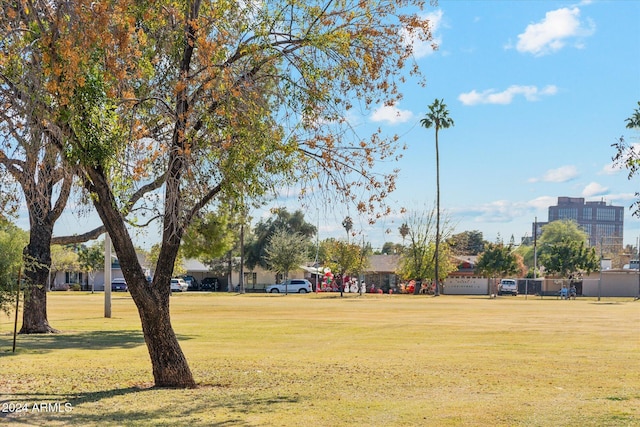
538 91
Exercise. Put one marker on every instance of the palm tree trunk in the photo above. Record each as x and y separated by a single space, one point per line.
436 292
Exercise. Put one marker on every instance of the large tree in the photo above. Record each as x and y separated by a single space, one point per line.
437 117
30 160
201 100
34 163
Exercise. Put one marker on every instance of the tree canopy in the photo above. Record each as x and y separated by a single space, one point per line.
568 259
561 230
467 243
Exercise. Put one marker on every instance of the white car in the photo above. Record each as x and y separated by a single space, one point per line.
179 285
299 286
508 286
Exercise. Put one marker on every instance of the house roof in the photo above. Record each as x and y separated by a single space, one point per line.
194 265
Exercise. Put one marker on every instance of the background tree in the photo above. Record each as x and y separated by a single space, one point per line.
209 237
526 253
347 224
343 258
419 254
181 101
562 230
403 230
569 259
153 256
390 248
27 155
285 252
12 242
91 260
498 261
438 117
262 232
213 238
467 243
64 258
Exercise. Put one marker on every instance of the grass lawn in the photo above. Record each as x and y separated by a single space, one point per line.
322 360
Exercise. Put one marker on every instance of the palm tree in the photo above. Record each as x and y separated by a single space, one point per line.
438 116
347 223
404 230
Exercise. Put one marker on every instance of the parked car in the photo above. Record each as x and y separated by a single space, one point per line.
301 286
178 285
508 286
192 283
210 284
119 285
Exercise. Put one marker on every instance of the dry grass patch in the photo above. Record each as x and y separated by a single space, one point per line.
320 360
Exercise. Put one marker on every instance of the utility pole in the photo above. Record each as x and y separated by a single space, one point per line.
241 278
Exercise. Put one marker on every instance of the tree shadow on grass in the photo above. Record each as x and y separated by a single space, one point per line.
89 340
71 409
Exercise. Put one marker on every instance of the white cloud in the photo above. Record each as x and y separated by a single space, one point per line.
561 174
623 197
542 202
490 96
391 114
594 189
558 28
423 48
610 169
505 211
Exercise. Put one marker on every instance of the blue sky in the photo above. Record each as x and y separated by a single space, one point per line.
538 90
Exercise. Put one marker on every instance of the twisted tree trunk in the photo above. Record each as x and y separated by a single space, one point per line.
37 261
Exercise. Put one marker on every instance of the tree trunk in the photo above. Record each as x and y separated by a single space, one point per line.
170 367
37 261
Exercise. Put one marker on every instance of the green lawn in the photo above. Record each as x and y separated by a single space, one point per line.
322 360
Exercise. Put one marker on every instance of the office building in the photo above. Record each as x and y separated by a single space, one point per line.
602 222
